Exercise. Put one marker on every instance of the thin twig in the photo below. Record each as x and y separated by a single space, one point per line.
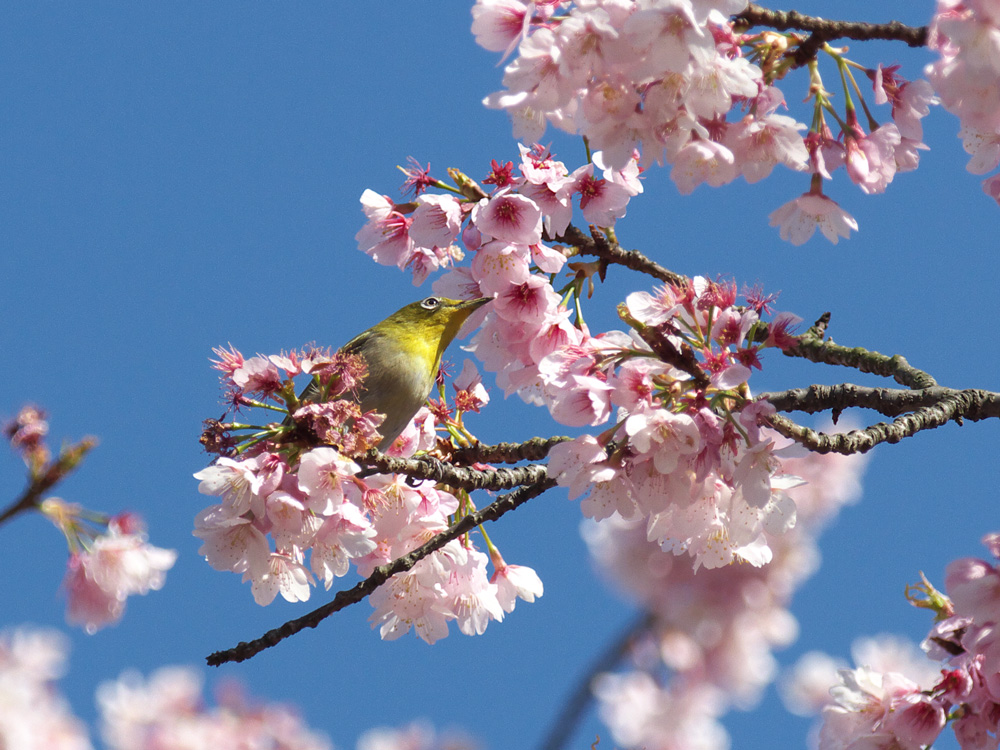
69 458
611 252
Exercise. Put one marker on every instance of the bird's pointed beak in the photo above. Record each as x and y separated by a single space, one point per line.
468 307
475 304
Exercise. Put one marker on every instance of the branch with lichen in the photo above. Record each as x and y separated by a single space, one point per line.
923 405
815 348
508 453
458 477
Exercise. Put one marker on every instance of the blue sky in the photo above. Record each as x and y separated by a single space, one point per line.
175 176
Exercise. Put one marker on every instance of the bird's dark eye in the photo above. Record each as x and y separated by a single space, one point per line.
431 303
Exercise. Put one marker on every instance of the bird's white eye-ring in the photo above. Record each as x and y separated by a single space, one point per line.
431 303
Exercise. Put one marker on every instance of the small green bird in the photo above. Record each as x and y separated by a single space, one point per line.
403 354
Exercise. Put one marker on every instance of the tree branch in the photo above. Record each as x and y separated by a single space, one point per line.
459 477
823 31
598 244
345 598
862 441
811 346
974 404
508 453
50 475
925 405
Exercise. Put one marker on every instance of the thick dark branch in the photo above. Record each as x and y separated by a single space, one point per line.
924 406
459 477
600 245
822 30
811 346
974 404
508 453
492 512
949 408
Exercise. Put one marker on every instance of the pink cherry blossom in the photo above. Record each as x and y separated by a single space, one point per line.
530 302
257 374
498 25
653 309
414 599
973 733
344 534
539 168
664 437
167 710
991 186
34 714
974 588
799 218
117 565
509 217
470 595
282 575
436 221
230 542
515 582
499 264
702 161
758 144
870 158
601 201
471 394
386 235
237 482
322 475
89 605
805 688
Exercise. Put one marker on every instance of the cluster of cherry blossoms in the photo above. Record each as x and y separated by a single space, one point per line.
110 558
892 699
686 451
679 82
33 714
106 566
504 230
168 712
295 513
165 712
708 645
967 37
686 454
